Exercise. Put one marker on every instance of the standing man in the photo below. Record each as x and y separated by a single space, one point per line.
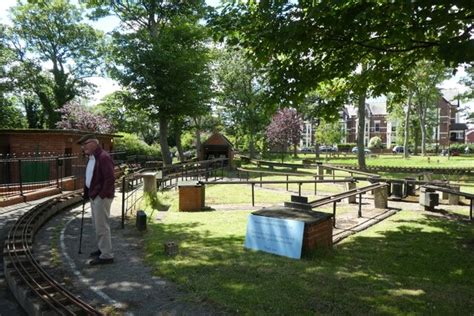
99 187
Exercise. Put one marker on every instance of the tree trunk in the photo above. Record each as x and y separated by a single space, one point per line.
423 111
407 128
423 136
165 149
197 126
179 147
361 130
252 145
415 134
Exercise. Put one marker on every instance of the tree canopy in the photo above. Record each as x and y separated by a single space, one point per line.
304 43
54 51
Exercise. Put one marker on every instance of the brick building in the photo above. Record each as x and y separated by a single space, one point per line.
27 142
449 130
45 154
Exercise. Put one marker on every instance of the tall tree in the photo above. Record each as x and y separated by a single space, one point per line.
162 58
55 52
304 43
427 76
240 94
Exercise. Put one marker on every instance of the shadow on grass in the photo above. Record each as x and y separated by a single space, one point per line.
419 266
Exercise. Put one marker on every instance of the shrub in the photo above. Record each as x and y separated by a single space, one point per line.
375 142
135 146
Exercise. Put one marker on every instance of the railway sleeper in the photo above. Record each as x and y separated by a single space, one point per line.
17 252
17 243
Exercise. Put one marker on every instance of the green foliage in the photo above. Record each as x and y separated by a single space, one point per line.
241 98
329 133
134 146
462 147
116 108
52 32
187 140
10 115
375 142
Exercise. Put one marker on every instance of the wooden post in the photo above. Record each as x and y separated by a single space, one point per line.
359 214
471 210
315 186
253 194
123 202
334 214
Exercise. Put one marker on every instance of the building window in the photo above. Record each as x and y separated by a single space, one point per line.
377 126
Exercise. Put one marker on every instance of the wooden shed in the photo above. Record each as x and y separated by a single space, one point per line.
217 146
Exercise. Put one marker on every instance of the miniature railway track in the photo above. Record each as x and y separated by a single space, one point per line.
33 287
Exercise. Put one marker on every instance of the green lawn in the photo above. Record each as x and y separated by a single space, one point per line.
411 263
395 160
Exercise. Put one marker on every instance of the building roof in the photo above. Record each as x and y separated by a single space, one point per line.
376 106
458 127
216 137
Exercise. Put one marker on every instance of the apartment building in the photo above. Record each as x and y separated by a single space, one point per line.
449 129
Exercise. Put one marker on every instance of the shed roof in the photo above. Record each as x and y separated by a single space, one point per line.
216 138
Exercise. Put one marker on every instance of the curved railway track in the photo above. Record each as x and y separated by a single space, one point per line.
33 287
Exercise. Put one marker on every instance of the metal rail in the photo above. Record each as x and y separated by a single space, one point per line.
338 197
450 191
253 183
20 262
344 195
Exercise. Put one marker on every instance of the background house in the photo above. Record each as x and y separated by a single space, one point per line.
449 129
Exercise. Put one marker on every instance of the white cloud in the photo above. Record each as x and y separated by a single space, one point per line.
105 86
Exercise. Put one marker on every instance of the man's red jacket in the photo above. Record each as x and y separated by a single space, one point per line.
103 178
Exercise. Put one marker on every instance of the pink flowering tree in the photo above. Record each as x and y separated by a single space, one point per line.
285 129
77 116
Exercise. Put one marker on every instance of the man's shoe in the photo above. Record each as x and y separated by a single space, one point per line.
99 260
95 254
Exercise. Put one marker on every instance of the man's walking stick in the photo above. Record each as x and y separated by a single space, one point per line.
82 224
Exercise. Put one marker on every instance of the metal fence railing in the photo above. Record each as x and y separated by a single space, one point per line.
132 193
20 175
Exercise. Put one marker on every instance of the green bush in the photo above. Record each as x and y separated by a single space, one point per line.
375 142
187 140
462 147
135 146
